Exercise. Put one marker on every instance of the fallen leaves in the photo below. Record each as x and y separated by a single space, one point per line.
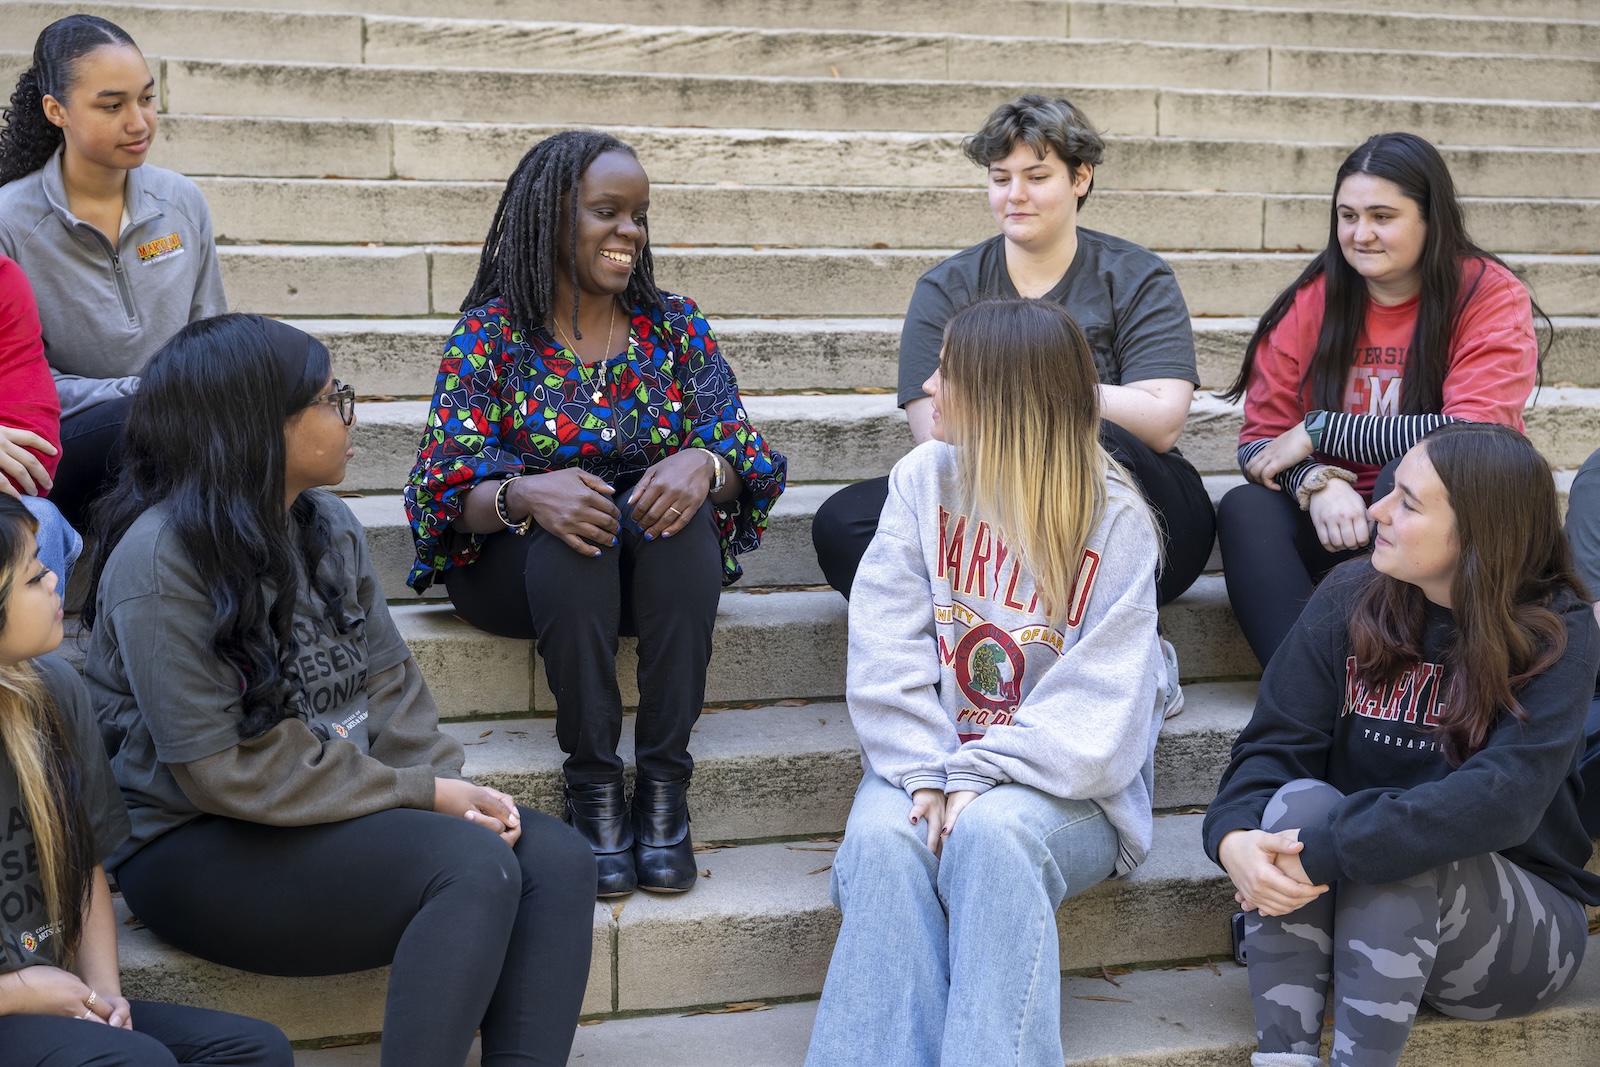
703 847
1107 972
1108 1000
730 1009
820 870
616 910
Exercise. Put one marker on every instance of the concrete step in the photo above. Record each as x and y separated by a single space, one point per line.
789 771
1230 23
758 925
845 437
398 280
479 151
799 638
290 210
468 95
1167 1017
1032 17
1471 69
400 357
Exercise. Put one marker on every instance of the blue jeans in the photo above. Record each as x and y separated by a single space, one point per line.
59 543
953 960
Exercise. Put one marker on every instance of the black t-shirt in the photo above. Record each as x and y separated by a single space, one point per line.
26 936
1406 810
1122 295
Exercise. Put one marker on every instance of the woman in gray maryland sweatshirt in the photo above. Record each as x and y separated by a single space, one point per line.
120 253
1007 685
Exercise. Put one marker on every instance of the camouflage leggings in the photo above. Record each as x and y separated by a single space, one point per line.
1477 939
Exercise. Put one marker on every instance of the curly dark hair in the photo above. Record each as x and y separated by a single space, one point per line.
28 139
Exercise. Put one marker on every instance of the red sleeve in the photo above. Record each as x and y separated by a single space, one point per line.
1494 361
28 398
1272 401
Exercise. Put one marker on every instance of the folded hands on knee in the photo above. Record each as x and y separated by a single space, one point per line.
1266 870
479 804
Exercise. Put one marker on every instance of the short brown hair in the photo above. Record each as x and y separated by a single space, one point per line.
1042 124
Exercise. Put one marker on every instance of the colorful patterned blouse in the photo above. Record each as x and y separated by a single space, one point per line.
508 403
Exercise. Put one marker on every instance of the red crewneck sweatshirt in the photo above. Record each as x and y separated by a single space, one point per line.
27 392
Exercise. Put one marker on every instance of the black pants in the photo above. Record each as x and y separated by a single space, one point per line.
479 934
90 443
663 591
1272 559
846 521
163 1035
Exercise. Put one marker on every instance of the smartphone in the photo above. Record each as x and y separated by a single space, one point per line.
1238 938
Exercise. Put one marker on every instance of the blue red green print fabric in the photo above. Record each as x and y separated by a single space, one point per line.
510 403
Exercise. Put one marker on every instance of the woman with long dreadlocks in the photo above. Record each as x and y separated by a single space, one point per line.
587 470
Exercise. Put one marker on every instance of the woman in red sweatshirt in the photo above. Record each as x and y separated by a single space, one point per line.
1399 326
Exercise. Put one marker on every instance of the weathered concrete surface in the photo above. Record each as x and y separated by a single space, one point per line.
227 33
1215 23
805 53
1455 75
332 280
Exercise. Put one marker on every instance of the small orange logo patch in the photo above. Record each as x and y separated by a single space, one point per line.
29 943
160 247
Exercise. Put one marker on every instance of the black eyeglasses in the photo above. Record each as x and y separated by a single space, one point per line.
344 398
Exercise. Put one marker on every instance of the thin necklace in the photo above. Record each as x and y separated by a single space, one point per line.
583 380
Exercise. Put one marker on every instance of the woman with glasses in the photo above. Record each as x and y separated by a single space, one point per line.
588 469
295 808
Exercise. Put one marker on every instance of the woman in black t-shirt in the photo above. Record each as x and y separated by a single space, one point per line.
1414 750
61 997
1039 156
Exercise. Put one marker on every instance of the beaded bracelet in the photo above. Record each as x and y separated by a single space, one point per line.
519 528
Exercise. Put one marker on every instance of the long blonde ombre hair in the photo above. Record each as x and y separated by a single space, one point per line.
41 753
1021 405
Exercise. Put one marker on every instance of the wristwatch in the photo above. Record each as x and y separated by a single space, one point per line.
1316 425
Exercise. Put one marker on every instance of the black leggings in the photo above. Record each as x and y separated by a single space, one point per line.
847 521
90 443
163 1035
479 934
1272 559
665 591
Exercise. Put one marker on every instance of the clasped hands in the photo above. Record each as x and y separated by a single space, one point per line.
1337 510
577 506
937 811
1267 872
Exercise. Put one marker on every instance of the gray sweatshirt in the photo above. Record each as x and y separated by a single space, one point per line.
958 680
105 308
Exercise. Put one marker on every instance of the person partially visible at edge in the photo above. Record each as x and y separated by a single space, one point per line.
1400 325
1007 684
119 252
1400 816
1583 534
30 422
61 1002
295 808
1040 157
588 469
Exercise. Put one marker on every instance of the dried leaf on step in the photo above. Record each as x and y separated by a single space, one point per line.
824 722
809 848
486 733
833 70
709 846
879 244
1108 1000
731 1009
792 702
706 873
819 870
591 1022
1107 972
616 910
833 838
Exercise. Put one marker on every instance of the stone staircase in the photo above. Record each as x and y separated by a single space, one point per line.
806 169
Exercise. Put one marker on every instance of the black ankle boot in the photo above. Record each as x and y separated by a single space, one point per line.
663 853
600 815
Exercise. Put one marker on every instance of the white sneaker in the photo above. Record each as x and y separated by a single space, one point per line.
1174 698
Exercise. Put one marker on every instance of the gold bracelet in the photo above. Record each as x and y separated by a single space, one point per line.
519 528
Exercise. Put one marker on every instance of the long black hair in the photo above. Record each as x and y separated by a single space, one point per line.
520 258
43 758
205 438
1452 267
29 139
